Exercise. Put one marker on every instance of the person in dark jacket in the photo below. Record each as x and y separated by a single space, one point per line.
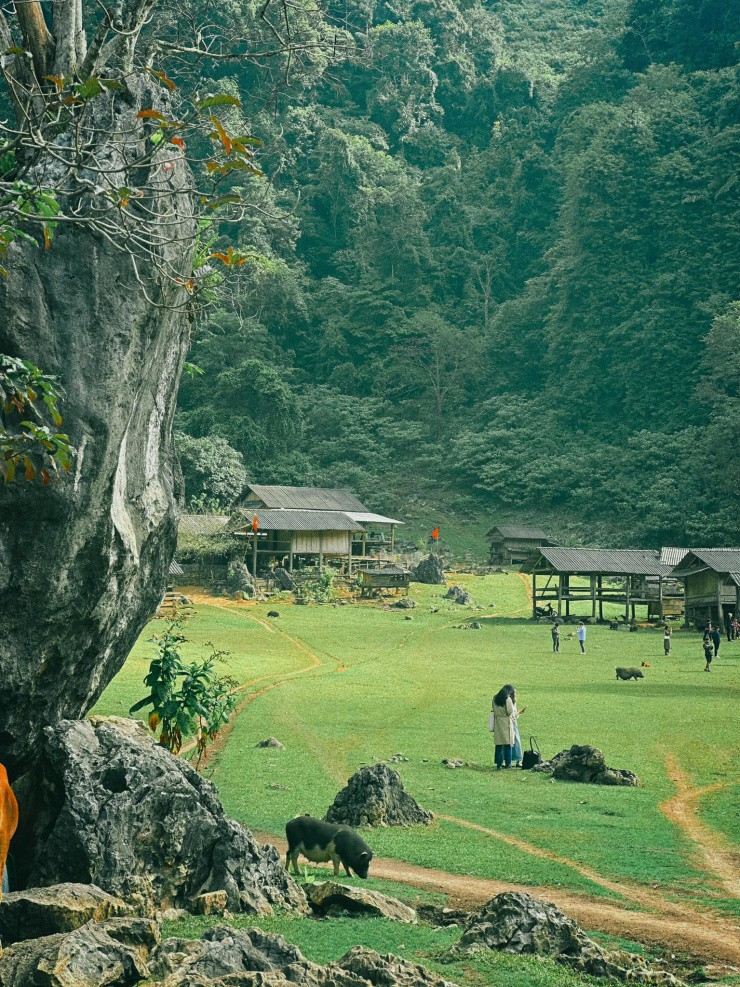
716 639
708 653
728 625
555 631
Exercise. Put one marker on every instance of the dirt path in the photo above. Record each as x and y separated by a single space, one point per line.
717 857
709 938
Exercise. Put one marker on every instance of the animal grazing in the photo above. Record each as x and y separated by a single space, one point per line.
320 841
629 673
569 637
644 664
8 820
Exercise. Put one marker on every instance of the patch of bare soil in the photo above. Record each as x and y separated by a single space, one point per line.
717 857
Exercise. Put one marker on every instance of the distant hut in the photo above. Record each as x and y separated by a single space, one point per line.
511 544
711 577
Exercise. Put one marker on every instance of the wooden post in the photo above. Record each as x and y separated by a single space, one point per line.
254 554
560 594
720 609
290 552
627 601
660 597
593 597
534 593
601 601
321 550
393 539
566 585
349 554
364 544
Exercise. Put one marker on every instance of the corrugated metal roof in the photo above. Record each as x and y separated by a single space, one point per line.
607 561
717 559
306 498
735 577
513 531
672 556
286 520
369 518
386 570
201 524
176 569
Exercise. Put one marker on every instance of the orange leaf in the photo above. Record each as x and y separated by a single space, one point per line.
178 142
163 79
225 139
150 115
30 468
45 478
47 237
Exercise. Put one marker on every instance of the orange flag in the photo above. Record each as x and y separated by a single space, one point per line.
435 534
255 523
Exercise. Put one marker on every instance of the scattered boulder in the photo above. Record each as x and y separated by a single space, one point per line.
375 796
95 955
458 595
330 898
474 625
399 759
210 903
429 570
283 578
405 603
387 970
586 764
271 742
518 923
61 908
452 762
239 579
142 824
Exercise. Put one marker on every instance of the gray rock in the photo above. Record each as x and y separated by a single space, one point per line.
429 570
271 742
451 762
102 954
388 970
331 898
584 763
144 825
375 796
45 911
405 603
516 923
474 625
90 555
458 595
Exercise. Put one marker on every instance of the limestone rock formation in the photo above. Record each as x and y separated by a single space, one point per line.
405 603
144 825
83 563
375 796
584 763
388 970
518 923
331 898
271 742
60 908
459 595
95 955
429 570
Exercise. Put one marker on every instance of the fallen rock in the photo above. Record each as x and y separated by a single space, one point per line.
375 796
458 595
451 762
330 898
144 825
474 625
271 742
61 908
405 603
584 763
429 570
388 970
517 923
102 954
399 759
211 903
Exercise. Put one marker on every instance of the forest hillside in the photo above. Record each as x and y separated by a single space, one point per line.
493 272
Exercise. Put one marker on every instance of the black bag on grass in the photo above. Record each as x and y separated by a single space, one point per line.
532 756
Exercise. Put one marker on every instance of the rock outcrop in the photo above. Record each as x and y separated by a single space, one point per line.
517 923
375 796
331 898
459 595
429 570
144 825
60 908
83 563
586 764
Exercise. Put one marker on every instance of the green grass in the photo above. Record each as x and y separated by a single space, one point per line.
423 687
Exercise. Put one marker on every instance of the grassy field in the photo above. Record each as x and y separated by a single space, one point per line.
344 686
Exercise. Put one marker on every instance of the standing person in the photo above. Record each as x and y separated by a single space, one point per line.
708 653
504 720
716 639
735 629
728 626
667 639
555 631
582 637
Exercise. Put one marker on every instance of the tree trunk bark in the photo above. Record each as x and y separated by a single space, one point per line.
83 563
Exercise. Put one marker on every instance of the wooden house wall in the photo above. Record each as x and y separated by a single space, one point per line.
328 542
702 588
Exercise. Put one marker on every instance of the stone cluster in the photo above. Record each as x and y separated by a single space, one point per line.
375 796
586 764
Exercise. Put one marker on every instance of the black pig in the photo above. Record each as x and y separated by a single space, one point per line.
320 841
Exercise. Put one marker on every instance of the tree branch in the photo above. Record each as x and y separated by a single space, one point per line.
36 35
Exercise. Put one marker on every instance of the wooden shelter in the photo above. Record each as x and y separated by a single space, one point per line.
629 577
511 545
287 537
372 532
711 578
377 578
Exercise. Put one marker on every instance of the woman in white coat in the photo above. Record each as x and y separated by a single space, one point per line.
505 715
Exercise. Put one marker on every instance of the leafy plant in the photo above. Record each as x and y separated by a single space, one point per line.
29 417
319 588
187 699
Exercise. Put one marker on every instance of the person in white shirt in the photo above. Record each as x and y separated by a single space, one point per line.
582 637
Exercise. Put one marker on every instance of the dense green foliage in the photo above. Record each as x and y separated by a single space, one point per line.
494 263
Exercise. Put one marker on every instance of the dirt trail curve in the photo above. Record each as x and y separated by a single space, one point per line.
717 857
712 940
